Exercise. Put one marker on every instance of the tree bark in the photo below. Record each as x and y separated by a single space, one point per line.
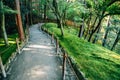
60 25
106 33
81 31
19 21
88 27
30 12
90 36
93 31
116 41
58 16
26 16
45 10
3 24
96 36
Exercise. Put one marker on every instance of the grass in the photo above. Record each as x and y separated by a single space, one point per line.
6 51
96 62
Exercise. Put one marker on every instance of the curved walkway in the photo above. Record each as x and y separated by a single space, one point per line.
38 60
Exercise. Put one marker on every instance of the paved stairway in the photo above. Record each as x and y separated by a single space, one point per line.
38 60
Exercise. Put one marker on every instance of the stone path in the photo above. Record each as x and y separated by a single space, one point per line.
38 60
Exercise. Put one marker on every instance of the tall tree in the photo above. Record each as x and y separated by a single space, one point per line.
103 10
58 15
59 8
19 21
30 12
116 40
106 32
45 9
3 23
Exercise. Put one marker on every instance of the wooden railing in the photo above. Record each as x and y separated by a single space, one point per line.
66 59
5 67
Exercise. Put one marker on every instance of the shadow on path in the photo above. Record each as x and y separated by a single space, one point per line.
38 60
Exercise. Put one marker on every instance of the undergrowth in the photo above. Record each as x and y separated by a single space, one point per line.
6 51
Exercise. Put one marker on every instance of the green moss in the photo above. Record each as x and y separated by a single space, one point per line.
6 51
96 62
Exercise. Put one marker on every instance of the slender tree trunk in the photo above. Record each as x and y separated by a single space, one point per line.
60 25
45 10
106 32
81 31
90 36
96 36
19 22
26 16
58 16
3 25
93 31
30 13
39 11
88 28
116 40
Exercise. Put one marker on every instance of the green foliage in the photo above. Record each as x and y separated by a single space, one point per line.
8 10
96 62
6 52
113 32
114 9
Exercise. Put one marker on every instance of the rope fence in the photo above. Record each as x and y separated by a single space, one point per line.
70 70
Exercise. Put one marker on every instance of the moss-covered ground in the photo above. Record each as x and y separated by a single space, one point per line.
96 62
6 51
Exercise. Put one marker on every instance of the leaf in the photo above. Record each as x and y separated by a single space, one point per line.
114 9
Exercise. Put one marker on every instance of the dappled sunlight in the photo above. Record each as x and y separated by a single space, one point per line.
40 46
115 56
27 49
2 45
13 42
38 71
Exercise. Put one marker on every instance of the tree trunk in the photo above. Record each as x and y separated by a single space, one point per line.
90 36
45 10
93 31
88 28
60 25
106 33
3 25
30 12
116 41
96 36
59 18
19 22
80 31
26 16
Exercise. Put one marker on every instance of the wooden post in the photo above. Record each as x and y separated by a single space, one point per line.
2 68
52 38
17 42
28 32
27 28
40 26
57 45
64 65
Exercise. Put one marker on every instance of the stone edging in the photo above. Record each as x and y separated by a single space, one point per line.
13 56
